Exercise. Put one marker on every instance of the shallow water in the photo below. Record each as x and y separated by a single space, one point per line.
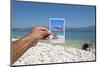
74 38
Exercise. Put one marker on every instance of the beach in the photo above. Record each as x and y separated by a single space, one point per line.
44 53
59 39
59 32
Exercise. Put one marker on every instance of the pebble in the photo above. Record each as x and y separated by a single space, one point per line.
44 53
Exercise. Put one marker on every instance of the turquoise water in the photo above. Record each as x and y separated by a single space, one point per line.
74 35
18 33
83 35
73 38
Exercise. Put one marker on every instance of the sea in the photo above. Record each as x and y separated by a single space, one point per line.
72 38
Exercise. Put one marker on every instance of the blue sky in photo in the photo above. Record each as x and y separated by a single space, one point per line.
55 23
28 14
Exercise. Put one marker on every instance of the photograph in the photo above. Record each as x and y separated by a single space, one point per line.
52 33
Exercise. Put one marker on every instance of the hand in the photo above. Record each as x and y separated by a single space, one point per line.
39 33
30 40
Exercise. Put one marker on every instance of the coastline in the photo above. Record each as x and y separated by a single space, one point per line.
48 53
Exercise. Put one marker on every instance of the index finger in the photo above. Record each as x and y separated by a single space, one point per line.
43 28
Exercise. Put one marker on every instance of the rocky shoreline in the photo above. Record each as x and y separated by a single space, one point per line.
44 53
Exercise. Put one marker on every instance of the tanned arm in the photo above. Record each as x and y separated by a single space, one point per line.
20 46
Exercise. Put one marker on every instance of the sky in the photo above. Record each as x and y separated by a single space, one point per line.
56 23
28 14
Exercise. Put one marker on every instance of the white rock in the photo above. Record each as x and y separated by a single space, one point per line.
47 53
